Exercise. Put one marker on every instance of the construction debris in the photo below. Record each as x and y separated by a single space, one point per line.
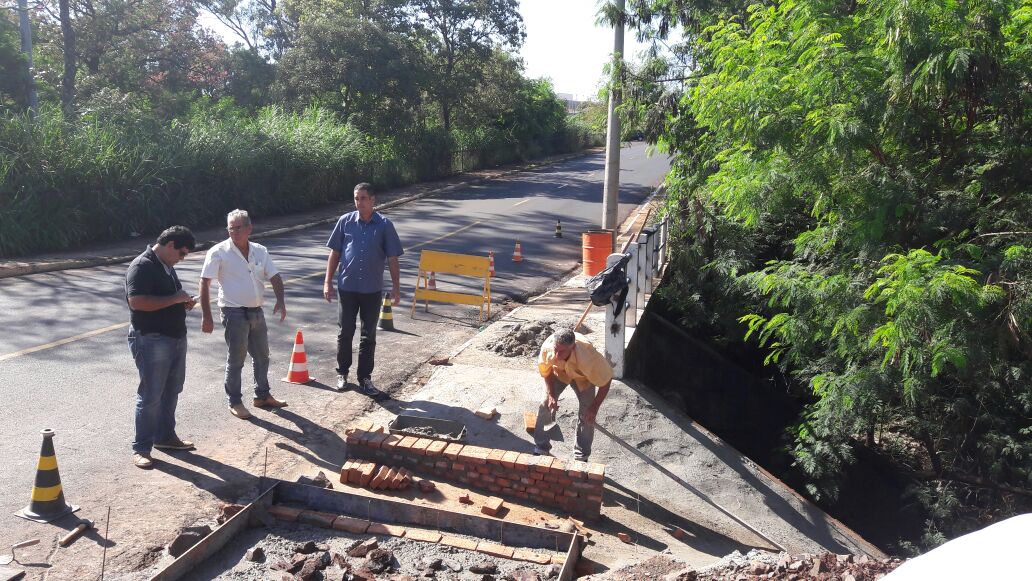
374 476
487 413
761 565
524 339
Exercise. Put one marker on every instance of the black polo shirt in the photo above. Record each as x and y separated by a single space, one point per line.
147 276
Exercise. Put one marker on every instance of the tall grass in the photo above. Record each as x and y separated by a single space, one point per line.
65 184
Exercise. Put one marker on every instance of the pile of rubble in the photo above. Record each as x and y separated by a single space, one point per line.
523 340
757 565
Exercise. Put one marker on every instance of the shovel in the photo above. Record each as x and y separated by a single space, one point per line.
5 559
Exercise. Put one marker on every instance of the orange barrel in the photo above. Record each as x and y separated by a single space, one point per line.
596 245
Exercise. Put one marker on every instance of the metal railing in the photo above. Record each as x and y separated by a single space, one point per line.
648 257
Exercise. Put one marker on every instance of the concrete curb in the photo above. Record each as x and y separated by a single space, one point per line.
25 268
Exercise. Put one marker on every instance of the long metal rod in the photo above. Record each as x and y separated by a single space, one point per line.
107 528
689 487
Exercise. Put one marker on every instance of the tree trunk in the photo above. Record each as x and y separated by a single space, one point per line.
70 66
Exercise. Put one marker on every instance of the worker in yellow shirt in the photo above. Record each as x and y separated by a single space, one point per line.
569 359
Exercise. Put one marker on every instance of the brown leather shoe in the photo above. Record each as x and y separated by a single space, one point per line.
269 402
240 411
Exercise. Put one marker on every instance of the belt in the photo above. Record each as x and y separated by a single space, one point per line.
245 309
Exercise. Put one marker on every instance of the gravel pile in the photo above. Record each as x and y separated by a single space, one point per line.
756 565
292 552
523 339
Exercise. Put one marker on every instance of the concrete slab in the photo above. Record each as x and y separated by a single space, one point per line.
671 486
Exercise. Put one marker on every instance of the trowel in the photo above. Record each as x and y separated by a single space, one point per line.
551 421
5 559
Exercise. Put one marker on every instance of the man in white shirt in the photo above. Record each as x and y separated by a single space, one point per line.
242 267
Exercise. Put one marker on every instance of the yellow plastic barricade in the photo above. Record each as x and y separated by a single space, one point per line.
448 263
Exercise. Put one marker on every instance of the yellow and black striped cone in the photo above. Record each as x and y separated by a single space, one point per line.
558 229
47 501
386 316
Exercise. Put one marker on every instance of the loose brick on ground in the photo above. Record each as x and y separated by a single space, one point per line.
492 505
351 525
367 473
530 421
423 535
384 529
625 538
459 542
377 480
284 512
494 550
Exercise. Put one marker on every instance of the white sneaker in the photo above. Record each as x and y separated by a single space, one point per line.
342 382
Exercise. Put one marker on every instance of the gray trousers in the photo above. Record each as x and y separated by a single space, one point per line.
246 334
585 432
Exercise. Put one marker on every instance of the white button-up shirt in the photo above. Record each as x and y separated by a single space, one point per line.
241 280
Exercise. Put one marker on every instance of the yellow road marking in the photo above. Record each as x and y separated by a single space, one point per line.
65 341
96 332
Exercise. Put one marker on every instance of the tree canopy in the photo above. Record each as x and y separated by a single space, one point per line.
851 191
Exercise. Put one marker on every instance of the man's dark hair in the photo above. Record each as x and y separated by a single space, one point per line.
565 336
179 236
367 187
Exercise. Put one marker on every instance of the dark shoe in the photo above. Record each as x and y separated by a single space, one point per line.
269 402
542 451
143 461
366 387
175 444
342 382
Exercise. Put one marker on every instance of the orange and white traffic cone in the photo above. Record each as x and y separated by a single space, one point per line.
517 254
490 263
298 370
432 283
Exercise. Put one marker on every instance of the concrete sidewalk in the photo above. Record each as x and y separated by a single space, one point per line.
663 471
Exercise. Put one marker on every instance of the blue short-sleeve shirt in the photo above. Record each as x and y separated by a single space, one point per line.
364 248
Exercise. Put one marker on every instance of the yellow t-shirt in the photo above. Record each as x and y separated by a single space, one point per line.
585 367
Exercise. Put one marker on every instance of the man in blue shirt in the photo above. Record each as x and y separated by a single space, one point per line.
361 242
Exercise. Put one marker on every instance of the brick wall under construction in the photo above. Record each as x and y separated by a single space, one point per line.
574 486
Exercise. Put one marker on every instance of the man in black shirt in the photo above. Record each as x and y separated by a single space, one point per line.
157 341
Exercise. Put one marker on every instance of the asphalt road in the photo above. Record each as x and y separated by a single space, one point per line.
64 363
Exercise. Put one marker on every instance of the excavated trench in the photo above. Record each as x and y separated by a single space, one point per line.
732 394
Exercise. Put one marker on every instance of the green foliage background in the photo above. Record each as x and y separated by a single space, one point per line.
166 124
852 191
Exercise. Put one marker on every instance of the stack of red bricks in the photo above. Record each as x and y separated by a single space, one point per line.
574 486
369 474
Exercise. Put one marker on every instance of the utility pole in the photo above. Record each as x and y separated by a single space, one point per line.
611 189
26 46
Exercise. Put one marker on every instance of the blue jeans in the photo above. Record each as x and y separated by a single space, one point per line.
367 307
245 333
161 361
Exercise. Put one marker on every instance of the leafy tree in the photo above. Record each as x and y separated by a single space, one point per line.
13 77
459 36
851 182
356 68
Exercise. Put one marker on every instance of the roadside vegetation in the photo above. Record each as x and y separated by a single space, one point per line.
851 191
147 118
